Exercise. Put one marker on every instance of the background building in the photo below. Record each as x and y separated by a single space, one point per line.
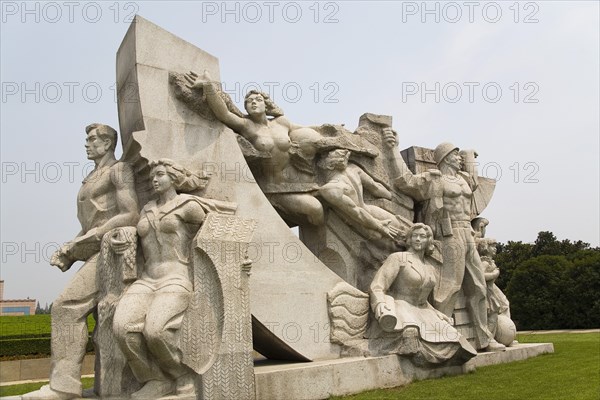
16 307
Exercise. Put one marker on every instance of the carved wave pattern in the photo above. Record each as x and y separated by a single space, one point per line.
348 313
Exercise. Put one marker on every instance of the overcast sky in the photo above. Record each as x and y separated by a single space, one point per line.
518 82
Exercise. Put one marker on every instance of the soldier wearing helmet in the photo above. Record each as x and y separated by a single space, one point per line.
448 209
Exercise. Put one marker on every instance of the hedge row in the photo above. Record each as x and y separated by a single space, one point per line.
25 336
21 347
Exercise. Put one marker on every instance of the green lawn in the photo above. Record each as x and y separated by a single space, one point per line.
29 325
28 336
15 390
572 372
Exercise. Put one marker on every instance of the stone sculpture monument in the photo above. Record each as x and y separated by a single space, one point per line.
448 193
406 322
179 263
498 307
106 200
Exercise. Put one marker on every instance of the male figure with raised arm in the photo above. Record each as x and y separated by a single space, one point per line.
447 194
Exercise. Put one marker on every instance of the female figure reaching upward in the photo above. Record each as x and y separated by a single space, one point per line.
289 189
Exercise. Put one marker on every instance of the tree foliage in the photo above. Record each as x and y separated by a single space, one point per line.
551 284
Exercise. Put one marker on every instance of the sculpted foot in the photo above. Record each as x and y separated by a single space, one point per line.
154 389
495 346
46 393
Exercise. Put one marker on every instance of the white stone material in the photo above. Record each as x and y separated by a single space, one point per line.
322 379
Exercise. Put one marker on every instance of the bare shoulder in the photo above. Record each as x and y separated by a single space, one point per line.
121 173
331 187
281 120
190 203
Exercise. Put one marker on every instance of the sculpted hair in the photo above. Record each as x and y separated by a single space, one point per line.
484 245
104 132
479 222
184 180
428 232
333 155
271 109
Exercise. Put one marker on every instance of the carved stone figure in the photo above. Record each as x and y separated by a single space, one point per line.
479 226
106 200
498 307
405 322
343 191
364 214
291 190
149 315
448 195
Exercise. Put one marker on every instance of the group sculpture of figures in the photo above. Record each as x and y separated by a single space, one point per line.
308 175
445 194
149 314
406 323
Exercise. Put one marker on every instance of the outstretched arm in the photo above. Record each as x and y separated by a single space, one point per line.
470 167
417 186
193 213
375 188
396 164
334 195
215 102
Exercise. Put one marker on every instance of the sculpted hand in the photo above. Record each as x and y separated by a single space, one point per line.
389 138
246 265
60 258
294 147
196 82
434 172
117 243
388 230
444 317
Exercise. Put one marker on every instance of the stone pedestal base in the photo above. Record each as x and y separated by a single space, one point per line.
322 379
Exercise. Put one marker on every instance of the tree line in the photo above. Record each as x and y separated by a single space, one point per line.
551 284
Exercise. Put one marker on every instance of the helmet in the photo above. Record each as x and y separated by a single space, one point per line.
442 150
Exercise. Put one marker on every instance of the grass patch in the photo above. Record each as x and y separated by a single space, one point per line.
24 326
28 326
571 372
16 390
